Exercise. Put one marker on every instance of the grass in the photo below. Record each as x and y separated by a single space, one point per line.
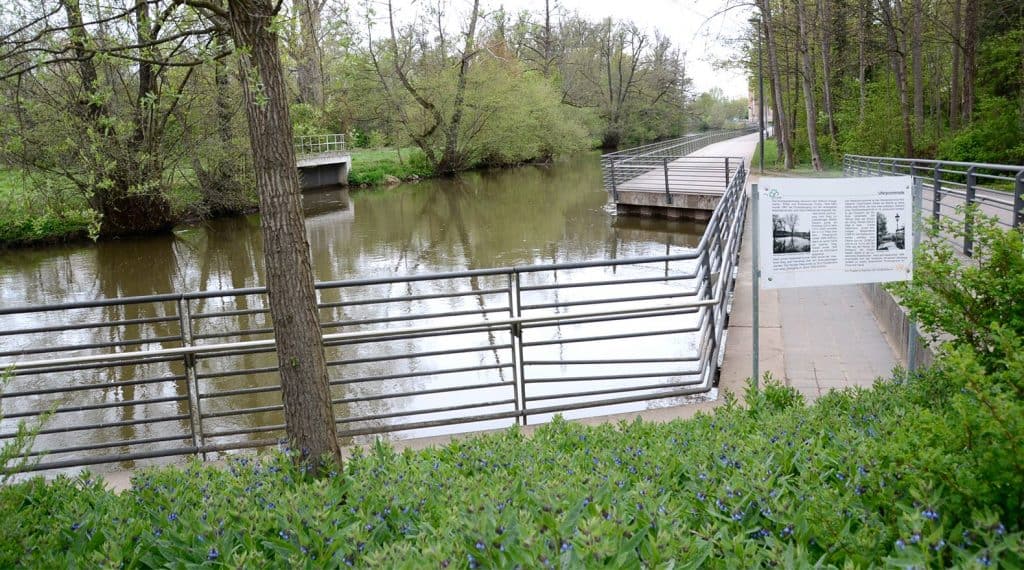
34 210
773 164
373 166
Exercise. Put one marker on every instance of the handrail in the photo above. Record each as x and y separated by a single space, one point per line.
183 396
995 190
313 145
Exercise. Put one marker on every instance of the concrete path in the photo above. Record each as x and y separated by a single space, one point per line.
813 338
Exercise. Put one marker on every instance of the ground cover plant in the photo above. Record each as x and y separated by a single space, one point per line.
863 477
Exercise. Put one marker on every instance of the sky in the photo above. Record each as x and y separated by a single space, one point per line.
695 26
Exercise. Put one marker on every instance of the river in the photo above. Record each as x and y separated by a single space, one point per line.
529 215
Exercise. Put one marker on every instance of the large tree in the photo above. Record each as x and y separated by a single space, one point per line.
302 366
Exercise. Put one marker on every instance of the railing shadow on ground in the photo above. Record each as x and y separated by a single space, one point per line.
130 379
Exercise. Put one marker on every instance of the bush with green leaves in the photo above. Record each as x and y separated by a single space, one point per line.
862 478
977 302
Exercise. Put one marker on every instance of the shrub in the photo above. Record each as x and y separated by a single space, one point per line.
861 478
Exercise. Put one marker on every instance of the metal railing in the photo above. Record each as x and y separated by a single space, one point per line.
139 378
664 167
317 145
996 189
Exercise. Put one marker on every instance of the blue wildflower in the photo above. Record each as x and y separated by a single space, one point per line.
788 531
566 547
930 514
985 559
157 531
900 543
172 517
915 538
737 516
480 545
76 526
937 546
701 496
213 554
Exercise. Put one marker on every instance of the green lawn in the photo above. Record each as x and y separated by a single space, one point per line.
372 166
36 210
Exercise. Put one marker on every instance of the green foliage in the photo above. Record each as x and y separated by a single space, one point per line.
713 110
996 135
14 450
973 311
374 166
972 303
878 134
35 209
862 478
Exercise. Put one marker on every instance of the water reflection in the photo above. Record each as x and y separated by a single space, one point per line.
531 215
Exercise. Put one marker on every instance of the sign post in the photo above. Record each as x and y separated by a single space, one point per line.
756 285
835 231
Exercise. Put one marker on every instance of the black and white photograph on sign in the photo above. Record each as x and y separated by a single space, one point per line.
791 232
890 229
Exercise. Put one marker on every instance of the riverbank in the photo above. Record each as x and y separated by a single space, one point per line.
39 213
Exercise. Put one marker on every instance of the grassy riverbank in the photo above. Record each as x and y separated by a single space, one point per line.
36 211
27 217
374 166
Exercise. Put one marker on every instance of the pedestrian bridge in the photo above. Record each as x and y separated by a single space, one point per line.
671 178
322 160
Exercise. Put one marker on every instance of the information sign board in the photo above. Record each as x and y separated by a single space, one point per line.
834 231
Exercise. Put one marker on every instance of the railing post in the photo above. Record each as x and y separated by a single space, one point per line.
668 191
712 313
519 370
936 193
195 411
969 214
727 172
1018 200
611 175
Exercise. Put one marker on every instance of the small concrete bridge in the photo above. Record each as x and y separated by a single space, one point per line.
322 160
671 179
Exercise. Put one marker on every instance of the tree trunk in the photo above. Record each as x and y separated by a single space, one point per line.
310 75
308 412
773 68
862 65
891 18
808 84
89 99
970 58
825 13
954 80
451 160
915 64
